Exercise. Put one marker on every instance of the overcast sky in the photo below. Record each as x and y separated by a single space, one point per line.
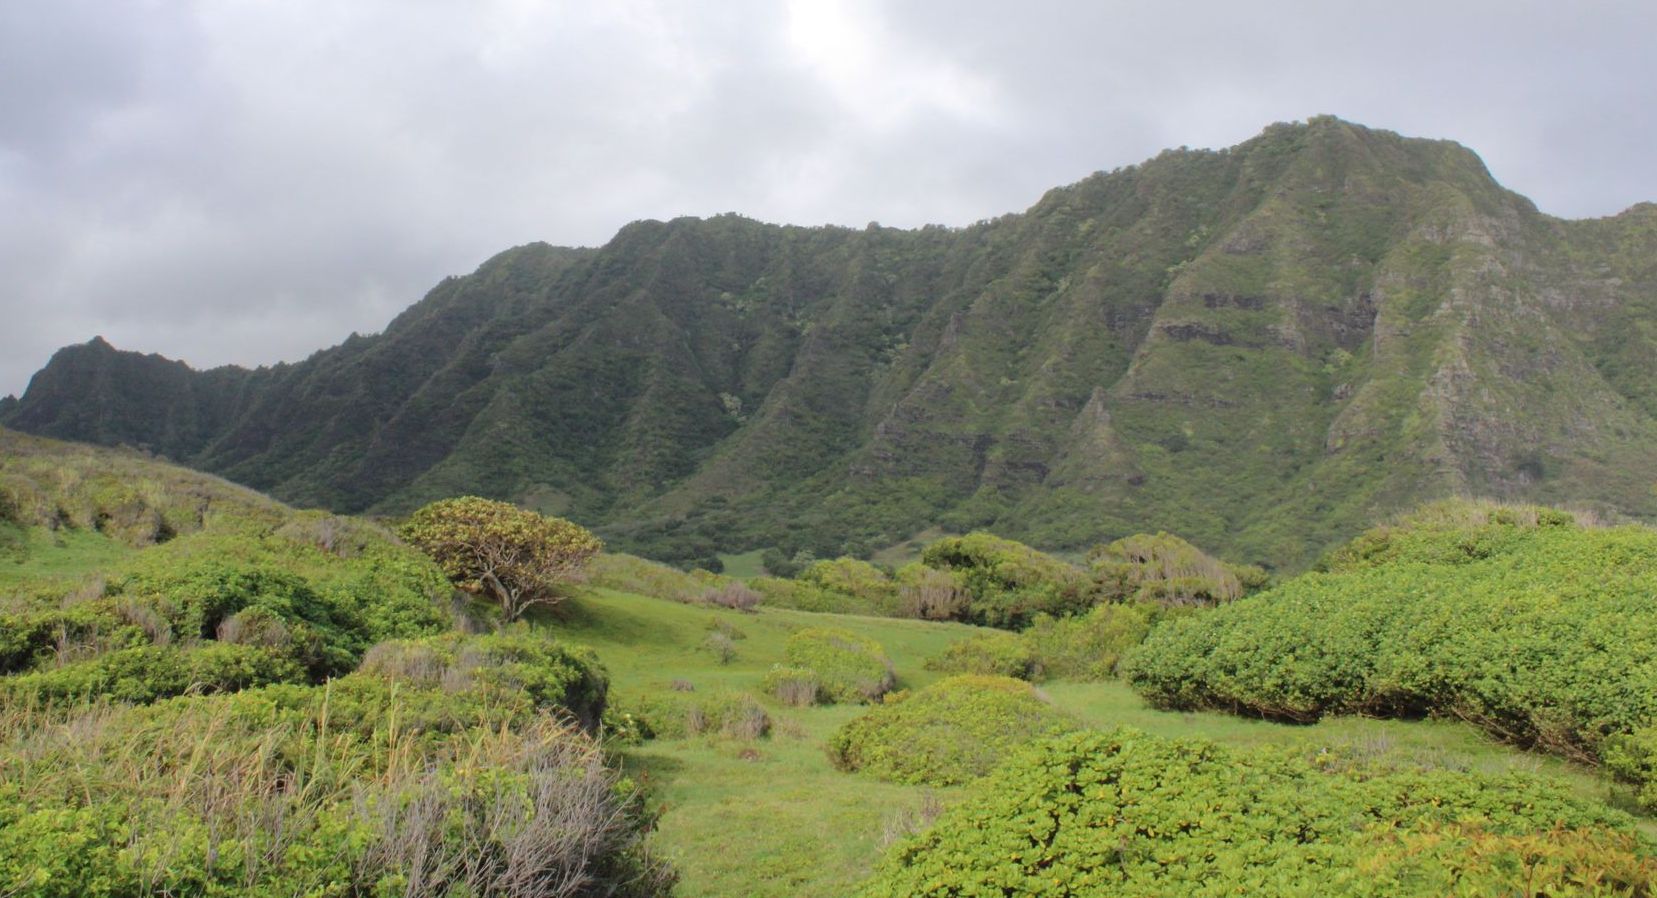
248 182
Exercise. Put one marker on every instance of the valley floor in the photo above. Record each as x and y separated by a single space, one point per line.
772 818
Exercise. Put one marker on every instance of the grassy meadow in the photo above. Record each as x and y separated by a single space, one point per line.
771 817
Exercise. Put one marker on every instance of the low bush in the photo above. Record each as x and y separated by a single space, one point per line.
1007 583
802 596
720 646
149 673
1123 813
853 577
952 731
930 594
280 800
734 595
679 715
849 667
515 662
1089 646
1167 570
1532 628
992 654
794 686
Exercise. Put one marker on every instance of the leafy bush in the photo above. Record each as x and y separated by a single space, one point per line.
514 556
795 686
1536 630
853 577
148 673
1089 646
955 730
849 667
802 596
991 654
930 594
1632 758
1007 582
516 662
678 715
1168 570
1123 813
507 806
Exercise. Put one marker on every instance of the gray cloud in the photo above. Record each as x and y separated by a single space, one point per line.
248 182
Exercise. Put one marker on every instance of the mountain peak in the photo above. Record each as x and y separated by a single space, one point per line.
1262 348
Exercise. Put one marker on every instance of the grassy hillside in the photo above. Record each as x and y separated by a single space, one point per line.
1263 349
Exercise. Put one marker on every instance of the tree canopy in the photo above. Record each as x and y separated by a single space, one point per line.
514 556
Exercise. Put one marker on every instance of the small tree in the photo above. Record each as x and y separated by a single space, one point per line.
515 557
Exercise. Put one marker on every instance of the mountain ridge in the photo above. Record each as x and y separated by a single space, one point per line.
1263 348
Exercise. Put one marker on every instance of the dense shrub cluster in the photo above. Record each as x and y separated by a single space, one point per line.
798 687
1165 569
678 715
991 654
1007 583
509 665
849 667
1122 813
952 731
364 788
217 611
1080 647
1535 629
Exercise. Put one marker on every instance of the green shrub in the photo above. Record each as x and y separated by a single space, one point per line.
514 662
679 715
954 730
1632 758
1167 570
930 594
856 578
147 673
1088 646
1122 813
992 654
1536 630
802 596
849 667
795 686
1007 582
100 806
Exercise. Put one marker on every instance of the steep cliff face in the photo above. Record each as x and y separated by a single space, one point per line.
1262 348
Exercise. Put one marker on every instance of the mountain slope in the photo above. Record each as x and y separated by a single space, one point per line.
1262 348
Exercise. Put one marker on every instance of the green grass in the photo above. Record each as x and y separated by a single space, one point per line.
772 818
744 565
60 555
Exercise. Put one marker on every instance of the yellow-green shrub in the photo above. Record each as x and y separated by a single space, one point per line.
849 667
952 731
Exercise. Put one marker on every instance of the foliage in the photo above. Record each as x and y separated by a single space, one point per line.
1537 632
931 594
1007 582
853 577
515 557
1194 343
1123 813
1168 570
953 731
148 673
734 595
849 667
1088 646
797 687
680 715
283 798
512 664
628 573
990 654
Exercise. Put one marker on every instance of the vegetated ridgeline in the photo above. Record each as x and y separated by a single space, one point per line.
1262 348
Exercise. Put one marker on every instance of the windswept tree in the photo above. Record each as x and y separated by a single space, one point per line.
516 557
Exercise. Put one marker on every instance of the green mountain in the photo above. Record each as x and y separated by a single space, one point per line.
1262 348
